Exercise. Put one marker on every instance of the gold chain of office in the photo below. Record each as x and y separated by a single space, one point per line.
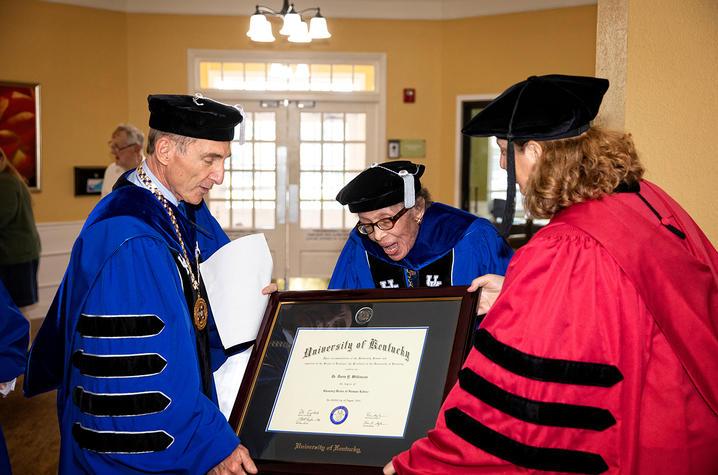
200 305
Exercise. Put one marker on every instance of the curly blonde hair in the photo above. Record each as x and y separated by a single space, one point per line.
580 168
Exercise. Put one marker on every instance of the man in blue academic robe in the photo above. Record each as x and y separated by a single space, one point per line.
129 341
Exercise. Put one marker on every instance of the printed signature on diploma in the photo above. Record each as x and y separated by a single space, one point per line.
374 419
307 416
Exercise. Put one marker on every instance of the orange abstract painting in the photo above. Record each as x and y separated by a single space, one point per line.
19 129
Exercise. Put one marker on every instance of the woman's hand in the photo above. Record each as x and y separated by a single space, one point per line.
270 289
490 285
389 469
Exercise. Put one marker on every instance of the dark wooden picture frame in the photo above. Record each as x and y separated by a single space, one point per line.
453 350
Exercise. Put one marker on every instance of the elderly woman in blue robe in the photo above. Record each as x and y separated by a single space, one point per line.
403 239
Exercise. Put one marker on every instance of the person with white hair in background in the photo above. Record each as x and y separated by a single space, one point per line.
126 147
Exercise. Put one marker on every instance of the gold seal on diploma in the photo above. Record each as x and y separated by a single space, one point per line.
200 313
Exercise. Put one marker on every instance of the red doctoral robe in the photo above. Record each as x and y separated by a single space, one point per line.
599 356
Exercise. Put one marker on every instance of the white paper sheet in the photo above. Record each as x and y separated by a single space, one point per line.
228 378
234 277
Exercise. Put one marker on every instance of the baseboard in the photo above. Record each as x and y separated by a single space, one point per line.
57 239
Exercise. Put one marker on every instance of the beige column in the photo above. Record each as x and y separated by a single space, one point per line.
661 57
611 52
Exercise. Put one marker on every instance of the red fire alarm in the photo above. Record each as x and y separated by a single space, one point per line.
410 95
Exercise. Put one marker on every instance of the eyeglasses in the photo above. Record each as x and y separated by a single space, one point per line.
113 146
384 224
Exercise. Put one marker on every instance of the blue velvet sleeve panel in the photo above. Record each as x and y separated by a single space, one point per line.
481 251
151 388
14 337
352 268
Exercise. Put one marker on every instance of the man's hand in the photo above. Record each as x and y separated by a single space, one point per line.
490 285
389 468
238 463
271 288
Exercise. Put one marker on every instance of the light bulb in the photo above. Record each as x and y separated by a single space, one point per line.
301 34
318 28
292 21
260 30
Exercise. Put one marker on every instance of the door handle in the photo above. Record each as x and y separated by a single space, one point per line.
293 204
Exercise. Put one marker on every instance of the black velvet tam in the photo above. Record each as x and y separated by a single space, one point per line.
376 187
193 116
541 108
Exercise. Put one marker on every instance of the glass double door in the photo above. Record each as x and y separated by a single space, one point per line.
283 181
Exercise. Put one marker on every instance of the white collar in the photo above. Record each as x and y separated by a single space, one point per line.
133 178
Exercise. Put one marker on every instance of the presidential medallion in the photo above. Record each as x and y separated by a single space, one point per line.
200 313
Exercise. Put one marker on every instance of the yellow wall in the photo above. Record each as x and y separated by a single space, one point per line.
78 55
485 55
413 50
672 99
97 68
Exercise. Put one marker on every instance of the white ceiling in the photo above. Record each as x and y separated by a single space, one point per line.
387 9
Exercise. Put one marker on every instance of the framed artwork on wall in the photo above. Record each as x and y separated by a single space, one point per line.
20 129
88 180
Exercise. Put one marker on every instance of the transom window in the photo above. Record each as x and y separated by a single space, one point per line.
276 76
312 124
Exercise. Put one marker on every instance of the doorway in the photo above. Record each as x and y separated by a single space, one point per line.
284 179
474 163
483 181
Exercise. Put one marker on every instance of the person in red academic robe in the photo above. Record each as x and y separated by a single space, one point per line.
600 354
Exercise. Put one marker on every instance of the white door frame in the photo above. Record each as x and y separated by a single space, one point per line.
457 150
373 102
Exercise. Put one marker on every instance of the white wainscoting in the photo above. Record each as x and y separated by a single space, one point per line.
57 240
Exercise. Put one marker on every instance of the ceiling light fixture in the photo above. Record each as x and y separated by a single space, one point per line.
297 30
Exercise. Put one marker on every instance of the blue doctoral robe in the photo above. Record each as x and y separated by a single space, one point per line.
14 337
453 247
120 346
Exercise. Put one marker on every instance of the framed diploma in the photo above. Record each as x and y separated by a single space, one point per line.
341 381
